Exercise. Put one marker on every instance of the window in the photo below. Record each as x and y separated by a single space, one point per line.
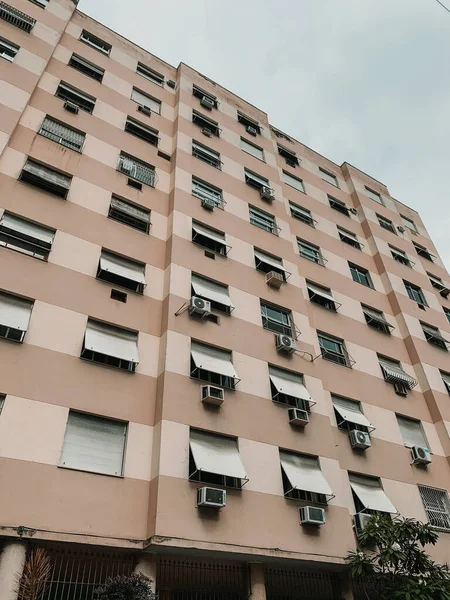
373 195
349 238
207 192
146 101
207 155
129 214
216 293
141 131
95 42
122 271
409 223
94 444
289 156
386 224
15 314
368 495
349 415
322 296
434 336
208 126
2 402
268 262
400 256
393 373
250 148
215 459
70 94
446 379
339 206
294 182
376 319
302 214
213 365
281 135
423 252
8 50
110 345
446 313
329 177
250 125
437 507
150 74
303 478
62 134
41 3
46 178
255 180
207 100
263 220
288 388
276 319
412 432
333 349
25 236
438 284
16 17
415 293
86 67
136 169
211 239
310 252
360 275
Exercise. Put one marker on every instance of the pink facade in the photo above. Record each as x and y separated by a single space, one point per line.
101 367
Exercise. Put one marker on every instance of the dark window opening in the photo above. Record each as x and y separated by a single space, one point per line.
110 361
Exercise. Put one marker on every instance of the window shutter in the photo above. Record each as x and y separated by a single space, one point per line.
411 431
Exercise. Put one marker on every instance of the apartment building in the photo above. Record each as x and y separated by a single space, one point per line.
219 350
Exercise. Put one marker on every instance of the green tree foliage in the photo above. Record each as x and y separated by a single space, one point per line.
391 555
126 587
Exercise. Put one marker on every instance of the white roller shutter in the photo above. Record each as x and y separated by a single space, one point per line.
371 494
211 290
216 454
289 383
123 267
303 473
15 312
27 230
111 341
212 359
351 412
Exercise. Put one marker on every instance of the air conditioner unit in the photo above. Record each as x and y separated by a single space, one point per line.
285 344
274 279
211 497
206 131
361 520
311 515
208 203
266 193
354 211
171 83
251 130
401 229
212 395
298 417
207 102
145 110
401 389
71 107
198 306
421 456
359 439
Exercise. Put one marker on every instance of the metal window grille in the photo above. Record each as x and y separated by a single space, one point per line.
293 584
437 506
16 17
204 191
310 252
263 220
62 134
136 169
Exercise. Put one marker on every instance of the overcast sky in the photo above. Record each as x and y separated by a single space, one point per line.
362 81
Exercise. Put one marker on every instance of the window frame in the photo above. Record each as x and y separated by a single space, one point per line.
388 224
349 238
325 302
329 177
259 262
338 205
344 425
380 325
62 141
203 190
415 293
373 195
128 221
423 252
153 101
433 336
88 68
7 45
343 358
103 47
257 217
212 245
289 156
438 510
69 93
407 222
248 122
284 325
288 179
226 309
206 154
296 210
138 163
59 190
158 79
416 422
356 269
311 252
260 151
205 122
224 381
16 241
133 127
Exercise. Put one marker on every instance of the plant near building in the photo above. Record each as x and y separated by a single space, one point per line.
391 563
126 587
33 581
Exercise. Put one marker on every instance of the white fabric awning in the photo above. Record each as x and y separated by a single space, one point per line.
15 312
212 359
351 412
303 473
371 494
123 267
111 341
27 229
209 233
315 289
289 383
211 290
270 260
216 454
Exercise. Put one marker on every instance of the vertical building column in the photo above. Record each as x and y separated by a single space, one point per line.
257 583
12 561
147 566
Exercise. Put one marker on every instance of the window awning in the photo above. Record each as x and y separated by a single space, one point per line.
351 412
123 267
216 454
394 373
254 178
209 233
213 359
15 312
211 290
317 290
270 260
111 341
130 209
376 316
28 230
290 384
49 175
303 473
434 333
371 494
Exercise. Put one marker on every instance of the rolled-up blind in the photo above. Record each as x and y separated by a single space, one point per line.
15 312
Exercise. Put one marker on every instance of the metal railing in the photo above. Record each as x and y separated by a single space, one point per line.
293 584
137 170
16 17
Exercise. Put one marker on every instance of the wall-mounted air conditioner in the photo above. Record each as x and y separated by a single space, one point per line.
211 497
285 344
212 395
311 515
199 306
